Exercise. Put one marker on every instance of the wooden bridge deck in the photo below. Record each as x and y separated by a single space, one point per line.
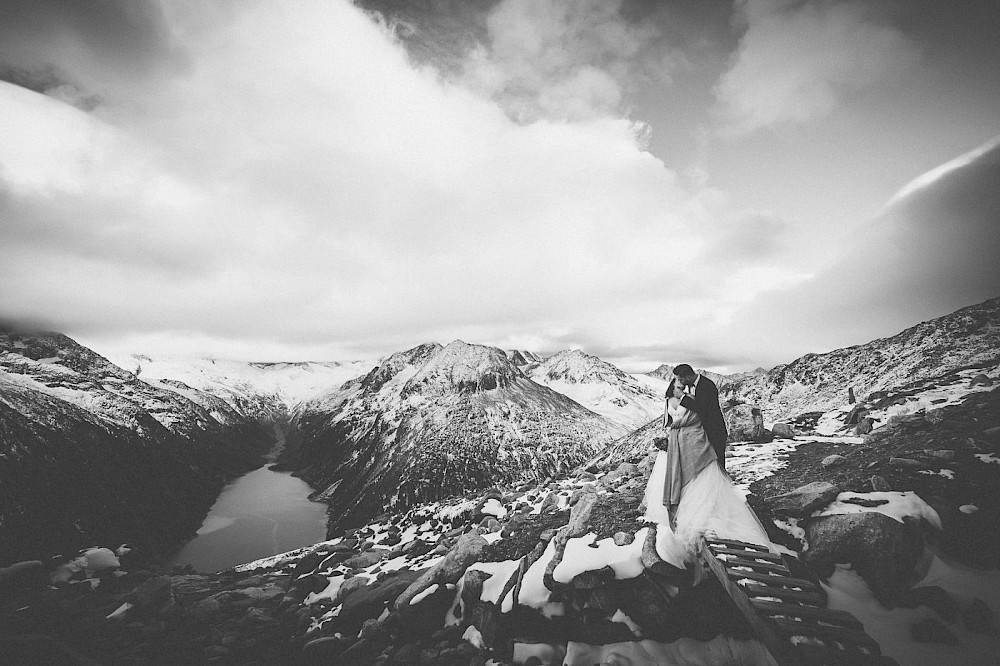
788 614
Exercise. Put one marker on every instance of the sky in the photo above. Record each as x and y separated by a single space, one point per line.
730 184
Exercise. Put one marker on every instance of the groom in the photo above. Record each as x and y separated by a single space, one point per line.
702 397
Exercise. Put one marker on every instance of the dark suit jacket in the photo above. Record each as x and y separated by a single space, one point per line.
705 403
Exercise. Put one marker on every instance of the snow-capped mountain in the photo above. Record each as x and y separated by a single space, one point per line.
259 391
431 422
79 435
522 357
820 382
600 387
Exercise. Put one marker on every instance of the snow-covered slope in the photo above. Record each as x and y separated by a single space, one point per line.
431 422
600 387
820 382
257 390
79 434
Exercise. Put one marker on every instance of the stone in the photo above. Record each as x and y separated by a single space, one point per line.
407 654
978 617
325 648
942 454
857 413
882 550
746 423
204 609
623 538
980 380
784 430
935 598
373 629
150 593
367 558
551 503
968 508
906 463
489 525
448 570
879 484
804 500
311 583
992 434
865 501
834 460
864 426
29 574
929 630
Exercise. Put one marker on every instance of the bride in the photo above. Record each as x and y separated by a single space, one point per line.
689 494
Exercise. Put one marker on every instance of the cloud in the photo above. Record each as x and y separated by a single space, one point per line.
298 187
797 62
84 50
932 249
566 59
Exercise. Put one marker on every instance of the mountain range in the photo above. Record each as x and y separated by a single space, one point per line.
92 448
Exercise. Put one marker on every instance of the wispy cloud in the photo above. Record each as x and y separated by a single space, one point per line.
796 62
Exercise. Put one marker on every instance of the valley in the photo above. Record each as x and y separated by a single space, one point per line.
417 456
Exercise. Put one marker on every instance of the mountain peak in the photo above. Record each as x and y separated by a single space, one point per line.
390 366
575 366
464 367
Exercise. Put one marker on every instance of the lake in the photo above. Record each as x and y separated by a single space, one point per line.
261 513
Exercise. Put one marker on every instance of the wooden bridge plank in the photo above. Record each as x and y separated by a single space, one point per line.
779 569
729 543
813 598
828 634
811 612
772 579
747 554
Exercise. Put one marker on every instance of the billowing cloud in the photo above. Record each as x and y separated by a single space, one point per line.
796 62
299 188
567 59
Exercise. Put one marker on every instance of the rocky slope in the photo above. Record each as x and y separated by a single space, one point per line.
432 422
819 382
599 386
88 452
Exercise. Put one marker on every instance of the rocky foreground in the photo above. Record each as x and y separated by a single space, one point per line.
566 572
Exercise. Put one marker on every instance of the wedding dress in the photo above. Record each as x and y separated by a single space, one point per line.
688 475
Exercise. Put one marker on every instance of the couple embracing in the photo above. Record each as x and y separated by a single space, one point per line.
689 489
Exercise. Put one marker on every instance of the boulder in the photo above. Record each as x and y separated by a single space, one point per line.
784 430
978 617
834 460
934 597
929 630
23 575
906 463
448 570
746 423
881 549
151 593
367 558
980 380
864 426
801 502
879 484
